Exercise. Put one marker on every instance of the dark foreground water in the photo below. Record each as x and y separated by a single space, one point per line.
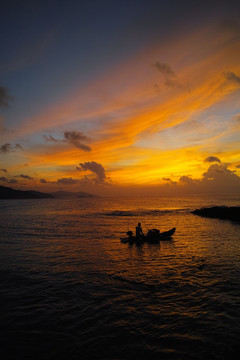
69 289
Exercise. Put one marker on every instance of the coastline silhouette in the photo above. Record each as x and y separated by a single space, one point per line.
220 212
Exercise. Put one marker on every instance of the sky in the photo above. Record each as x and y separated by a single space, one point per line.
136 97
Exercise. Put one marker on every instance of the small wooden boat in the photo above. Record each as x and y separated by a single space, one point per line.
153 236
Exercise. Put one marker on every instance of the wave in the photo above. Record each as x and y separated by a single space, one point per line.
141 212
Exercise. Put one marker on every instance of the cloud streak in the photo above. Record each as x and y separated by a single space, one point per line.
50 138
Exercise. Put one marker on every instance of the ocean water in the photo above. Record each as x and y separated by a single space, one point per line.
69 289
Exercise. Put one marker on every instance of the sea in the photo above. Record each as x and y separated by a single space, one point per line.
70 289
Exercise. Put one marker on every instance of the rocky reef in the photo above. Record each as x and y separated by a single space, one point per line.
220 212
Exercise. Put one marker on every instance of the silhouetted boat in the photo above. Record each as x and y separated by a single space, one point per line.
153 236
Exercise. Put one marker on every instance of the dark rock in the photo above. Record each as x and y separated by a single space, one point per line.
220 212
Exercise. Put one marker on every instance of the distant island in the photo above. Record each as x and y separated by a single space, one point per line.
220 212
9 193
70 194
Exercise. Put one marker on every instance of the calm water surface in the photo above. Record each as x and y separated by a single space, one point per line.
69 289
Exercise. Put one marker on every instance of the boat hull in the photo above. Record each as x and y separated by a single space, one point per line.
151 237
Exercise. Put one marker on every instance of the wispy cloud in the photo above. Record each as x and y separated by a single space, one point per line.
4 170
168 76
164 69
169 181
50 138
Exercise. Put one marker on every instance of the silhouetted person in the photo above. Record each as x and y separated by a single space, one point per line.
139 232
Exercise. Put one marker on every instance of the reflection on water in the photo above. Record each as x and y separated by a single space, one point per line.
70 289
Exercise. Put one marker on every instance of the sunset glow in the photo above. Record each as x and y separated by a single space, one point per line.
157 115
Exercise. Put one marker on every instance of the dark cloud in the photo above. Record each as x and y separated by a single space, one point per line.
238 166
27 177
221 175
169 181
212 159
4 170
232 77
68 181
217 179
77 139
9 181
63 181
6 148
95 168
187 180
5 98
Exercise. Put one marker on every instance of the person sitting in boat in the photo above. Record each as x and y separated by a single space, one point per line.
139 232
